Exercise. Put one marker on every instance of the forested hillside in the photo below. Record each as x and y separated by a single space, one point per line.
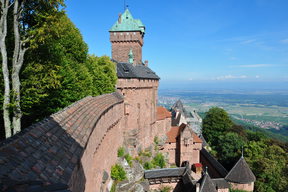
267 158
56 70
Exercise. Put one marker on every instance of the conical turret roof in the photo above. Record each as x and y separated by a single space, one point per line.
241 173
206 184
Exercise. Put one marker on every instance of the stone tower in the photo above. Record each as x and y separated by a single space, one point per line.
126 36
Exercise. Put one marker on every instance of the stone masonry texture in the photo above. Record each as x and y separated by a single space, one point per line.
122 42
67 147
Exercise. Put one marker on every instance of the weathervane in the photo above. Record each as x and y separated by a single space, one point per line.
125 5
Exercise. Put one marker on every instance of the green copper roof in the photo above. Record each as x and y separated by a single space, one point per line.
126 22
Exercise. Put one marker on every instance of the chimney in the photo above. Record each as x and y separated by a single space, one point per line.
146 63
119 18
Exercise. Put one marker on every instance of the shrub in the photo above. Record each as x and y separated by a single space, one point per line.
165 189
159 160
121 152
148 165
118 173
128 159
156 140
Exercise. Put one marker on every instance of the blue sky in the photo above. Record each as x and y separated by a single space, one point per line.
199 41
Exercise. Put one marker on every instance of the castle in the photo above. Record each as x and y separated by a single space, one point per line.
74 149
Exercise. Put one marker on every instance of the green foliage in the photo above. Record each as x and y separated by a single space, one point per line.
156 140
58 71
129 159
215 123
148 165
118 173
145 153
159 160
121 152
103 73
267 158
229 149
236 190
165 189
113 188
269 164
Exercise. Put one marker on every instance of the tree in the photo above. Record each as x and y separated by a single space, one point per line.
103 71
27 19
269 164
55 72
229 148
3 34
215 123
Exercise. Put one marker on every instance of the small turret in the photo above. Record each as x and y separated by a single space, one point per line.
240 176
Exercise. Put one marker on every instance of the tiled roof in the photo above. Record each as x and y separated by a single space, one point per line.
128 70
172 134
162 113
220 169
31 186
221 183
241 173
196 139
206 184
50 150
166 172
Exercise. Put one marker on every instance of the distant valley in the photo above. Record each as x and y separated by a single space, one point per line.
267 110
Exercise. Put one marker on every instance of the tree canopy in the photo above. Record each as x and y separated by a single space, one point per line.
215 123
58 71
267 158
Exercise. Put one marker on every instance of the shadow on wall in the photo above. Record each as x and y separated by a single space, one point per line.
51 151
42 157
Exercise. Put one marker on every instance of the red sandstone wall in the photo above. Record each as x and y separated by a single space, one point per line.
140 97
171 150
99 158
161 127
157 186
245 187
122 42
222 190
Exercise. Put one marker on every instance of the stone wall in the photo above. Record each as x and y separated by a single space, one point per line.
122 42
72 147
244 187
140 99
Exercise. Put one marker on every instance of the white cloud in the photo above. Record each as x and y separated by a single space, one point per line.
225 77
257 76
285 41
256 65
233 58
249 41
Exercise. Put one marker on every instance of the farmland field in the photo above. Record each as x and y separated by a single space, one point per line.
263 109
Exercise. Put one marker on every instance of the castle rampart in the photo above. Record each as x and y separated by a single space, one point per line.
67 147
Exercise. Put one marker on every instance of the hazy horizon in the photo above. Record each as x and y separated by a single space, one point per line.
233 86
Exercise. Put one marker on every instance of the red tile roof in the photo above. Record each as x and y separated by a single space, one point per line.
196 139
162 113
172 134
